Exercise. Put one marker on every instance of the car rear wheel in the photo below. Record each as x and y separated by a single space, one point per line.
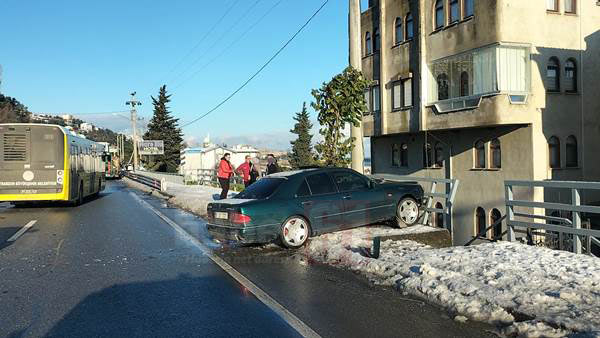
294 232
407 212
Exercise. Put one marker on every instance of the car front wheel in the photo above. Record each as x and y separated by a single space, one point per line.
407 212
294 232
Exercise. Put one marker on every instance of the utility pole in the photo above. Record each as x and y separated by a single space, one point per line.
134 103
354 35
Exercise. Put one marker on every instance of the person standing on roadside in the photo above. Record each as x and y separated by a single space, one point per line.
245 169
272 166
224 174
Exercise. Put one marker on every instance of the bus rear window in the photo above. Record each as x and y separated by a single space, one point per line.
47 147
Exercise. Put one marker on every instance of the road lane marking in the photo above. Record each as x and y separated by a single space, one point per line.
295 322
22 231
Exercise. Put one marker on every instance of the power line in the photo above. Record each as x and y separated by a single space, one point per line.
261 68
206 35
216 42
233 43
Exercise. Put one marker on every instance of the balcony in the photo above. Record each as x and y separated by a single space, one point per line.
459 82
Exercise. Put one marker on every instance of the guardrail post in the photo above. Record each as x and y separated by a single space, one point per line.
576 201
510 212
429 203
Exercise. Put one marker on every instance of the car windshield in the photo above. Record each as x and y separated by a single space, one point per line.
261 189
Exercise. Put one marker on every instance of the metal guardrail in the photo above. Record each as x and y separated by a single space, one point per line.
146 180
571 226
206 177
449 195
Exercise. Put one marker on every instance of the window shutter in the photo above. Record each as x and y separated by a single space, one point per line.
407 93
397 98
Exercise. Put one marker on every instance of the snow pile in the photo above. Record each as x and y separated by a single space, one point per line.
532 291
194 198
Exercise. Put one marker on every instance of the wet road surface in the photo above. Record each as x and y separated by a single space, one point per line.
112 267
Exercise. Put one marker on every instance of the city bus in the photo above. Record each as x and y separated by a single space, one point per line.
43 162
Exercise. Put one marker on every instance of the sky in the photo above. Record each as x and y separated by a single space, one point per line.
85 57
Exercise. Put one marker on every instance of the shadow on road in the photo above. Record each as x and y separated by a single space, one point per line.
186 306
6 233
57 204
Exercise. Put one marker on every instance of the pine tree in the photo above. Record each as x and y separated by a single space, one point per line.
164 127
339 102
302 153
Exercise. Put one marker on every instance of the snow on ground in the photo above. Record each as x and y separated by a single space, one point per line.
194 198
530 291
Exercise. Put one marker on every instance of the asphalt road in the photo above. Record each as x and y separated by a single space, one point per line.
112 267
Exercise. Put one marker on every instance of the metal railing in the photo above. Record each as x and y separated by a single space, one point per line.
448 196
206 177
563 226
146 180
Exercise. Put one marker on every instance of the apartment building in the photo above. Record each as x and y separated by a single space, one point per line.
484 91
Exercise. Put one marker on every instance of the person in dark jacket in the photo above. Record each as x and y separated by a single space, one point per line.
224 174
272 166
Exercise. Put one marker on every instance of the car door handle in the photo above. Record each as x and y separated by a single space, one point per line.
347 197
307 203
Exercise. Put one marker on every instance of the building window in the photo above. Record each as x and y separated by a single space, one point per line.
572 161
570 76
397 95
427 156
368 101
495 216
442 87
402 94
454 11
376 99
571 6
496 154
554 152
376 40
407 93
439 216
410 32
395 155
400 155
480 154
368 45
464 84
439 155
468 8
480 222
404 155
552 5
440 14
399 31
552 75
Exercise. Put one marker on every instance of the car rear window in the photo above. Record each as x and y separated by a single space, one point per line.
261 189
320 184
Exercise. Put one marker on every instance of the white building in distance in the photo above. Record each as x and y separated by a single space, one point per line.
197 163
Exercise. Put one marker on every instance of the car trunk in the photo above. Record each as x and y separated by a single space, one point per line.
221 213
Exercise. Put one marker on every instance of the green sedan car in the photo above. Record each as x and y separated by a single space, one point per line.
293 206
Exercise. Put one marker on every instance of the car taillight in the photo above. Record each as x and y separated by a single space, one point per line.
240 218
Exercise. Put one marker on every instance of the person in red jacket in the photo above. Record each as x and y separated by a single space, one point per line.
247 171
224 174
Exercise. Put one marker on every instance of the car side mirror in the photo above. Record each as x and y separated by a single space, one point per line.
371 184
